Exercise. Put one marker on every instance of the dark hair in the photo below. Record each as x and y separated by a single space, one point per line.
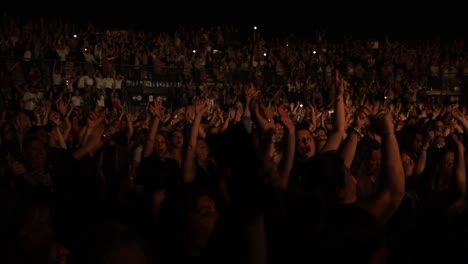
330 172
361 159
103 240
178 203
407 135
302 126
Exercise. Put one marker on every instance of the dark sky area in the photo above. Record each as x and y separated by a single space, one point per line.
397 20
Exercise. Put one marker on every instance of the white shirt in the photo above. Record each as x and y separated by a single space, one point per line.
29 99
77 100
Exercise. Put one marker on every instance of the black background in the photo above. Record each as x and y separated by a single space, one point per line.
407 20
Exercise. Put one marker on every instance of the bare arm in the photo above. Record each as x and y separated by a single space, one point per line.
56 139
155 110
334 140
68 125
348 148
286 163
459 168
387 201
130 119
92 136
421 162
189 160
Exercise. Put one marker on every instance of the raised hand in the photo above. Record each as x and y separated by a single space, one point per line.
262 116
341 84
201 106
70 111
156 108
436 111
22 122
383 123
55 118
285 119
250 93
130 117
95 118
458 115
189 114
16 167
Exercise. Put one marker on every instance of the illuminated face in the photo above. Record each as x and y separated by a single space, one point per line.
374 162
160 145
177 139
305 145
279 132
320 135
448 161
202 220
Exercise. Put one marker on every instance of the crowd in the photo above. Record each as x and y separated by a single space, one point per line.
279 150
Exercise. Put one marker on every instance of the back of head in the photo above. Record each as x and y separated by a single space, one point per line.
341 232
329 174
110 242
352 235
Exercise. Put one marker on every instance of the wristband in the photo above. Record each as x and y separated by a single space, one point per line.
357 132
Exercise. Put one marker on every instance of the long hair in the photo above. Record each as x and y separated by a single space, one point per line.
435 178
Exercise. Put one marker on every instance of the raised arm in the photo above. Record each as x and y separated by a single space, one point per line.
459 168
92 138
421 162
334 140
189 160
286 163
155 109
387 201
57 139
130 117
354 135
460 117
